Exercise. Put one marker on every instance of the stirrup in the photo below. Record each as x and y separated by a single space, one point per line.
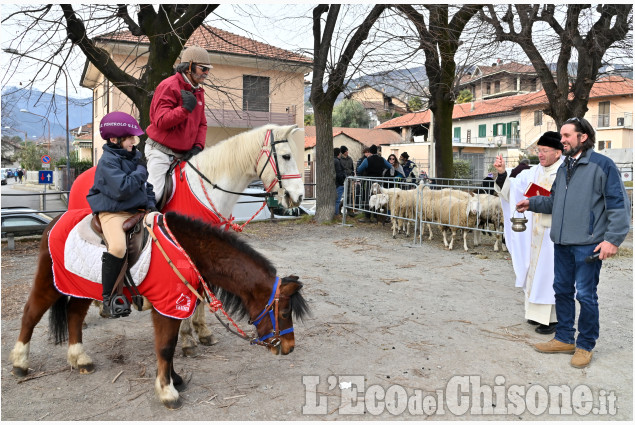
118 306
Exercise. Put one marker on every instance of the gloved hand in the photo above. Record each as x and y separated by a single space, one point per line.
142 169
189 154
189 100
142 161
152 209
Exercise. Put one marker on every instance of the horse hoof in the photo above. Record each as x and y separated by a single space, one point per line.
173 404
190 352
86 369
208 340
19 372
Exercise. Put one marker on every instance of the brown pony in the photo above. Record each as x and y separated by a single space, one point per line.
243 279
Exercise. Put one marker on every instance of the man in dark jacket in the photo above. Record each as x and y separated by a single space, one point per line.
178 126
372 166
590 215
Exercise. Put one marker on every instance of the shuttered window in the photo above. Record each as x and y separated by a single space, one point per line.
482 130
255 93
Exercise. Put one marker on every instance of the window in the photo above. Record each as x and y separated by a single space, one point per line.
105 98
488 88
537 118
457 134
499 129
534 85
604 114
601 145
607 144
255 93
497 86
482 130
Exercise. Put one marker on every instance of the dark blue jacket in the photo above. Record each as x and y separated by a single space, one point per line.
590 206
121 183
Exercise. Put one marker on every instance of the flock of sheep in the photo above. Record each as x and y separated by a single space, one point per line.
451 209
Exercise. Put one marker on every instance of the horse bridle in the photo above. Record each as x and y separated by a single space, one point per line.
272 309
274 163
214 303
272 158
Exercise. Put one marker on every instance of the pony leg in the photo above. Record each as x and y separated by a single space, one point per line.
76 356
166 334
188 343
205 336
43 295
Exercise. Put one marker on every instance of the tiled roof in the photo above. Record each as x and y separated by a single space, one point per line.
608 86
216 40
365 136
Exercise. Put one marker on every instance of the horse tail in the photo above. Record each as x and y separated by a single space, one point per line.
58 321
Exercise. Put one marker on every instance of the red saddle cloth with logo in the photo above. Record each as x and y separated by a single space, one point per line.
161 286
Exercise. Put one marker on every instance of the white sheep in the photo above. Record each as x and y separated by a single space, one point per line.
429 205
456 211
490 216
402 208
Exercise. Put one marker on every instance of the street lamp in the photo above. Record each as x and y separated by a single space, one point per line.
26 111
21 131
68 154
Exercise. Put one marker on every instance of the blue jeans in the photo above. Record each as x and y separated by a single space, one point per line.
575 279
338 199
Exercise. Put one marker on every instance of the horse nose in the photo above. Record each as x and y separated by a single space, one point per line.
291 350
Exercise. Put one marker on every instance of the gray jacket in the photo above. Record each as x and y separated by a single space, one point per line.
590 206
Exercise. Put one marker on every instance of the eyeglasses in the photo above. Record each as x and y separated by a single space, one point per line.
204 68
574 119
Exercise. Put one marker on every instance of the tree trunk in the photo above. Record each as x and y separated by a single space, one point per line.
325 175
442 135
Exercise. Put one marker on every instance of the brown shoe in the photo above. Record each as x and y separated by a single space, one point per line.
554 346
581 358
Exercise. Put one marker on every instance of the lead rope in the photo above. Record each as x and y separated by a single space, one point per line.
214 304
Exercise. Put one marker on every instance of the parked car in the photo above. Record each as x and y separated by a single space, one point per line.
22 221
4 178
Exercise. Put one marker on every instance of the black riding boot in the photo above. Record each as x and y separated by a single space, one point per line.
115 305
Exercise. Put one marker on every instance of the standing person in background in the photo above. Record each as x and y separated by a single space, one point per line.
20 174
340 176
591 215
349 170
395 172
178 126
532 250
522 166
361 187
410 170
373 165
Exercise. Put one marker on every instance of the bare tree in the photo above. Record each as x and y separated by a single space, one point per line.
166 28
327 84
612 24
439 40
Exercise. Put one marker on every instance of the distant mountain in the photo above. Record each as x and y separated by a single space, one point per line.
53 107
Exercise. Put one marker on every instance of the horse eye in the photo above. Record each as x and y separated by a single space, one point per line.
286 157
285 313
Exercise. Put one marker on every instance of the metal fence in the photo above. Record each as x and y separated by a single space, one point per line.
359 190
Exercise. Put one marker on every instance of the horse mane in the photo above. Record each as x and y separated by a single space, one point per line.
232 302
238 153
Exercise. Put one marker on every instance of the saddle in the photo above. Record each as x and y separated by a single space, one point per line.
136 238
168 186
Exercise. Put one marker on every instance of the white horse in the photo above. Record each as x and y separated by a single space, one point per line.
220 174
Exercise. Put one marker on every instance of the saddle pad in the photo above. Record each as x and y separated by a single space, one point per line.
83 251
184 201
161 286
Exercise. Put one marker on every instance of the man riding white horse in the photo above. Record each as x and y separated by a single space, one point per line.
178 126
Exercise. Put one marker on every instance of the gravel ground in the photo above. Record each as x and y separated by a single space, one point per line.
413 321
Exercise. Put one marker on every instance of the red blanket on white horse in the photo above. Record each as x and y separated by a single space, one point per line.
161 286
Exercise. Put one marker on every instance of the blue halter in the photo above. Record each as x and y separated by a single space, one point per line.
271 308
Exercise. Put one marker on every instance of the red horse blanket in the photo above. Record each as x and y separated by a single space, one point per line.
162 287
184 201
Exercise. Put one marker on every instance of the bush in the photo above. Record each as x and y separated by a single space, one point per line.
462 169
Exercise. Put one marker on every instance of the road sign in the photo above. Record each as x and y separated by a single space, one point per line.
45 177
46 159
46 166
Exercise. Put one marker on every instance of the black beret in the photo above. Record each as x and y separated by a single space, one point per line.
551 139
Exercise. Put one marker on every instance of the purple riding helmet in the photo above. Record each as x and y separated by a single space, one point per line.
119 124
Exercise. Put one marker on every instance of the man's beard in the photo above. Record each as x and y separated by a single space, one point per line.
573 151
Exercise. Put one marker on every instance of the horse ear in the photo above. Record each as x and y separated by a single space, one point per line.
290 285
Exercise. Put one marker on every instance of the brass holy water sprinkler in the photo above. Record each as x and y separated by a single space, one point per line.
519 224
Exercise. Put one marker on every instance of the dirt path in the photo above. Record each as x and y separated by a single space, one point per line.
416 322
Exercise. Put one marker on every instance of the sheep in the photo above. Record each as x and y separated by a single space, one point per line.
490 215
429 202
403 209
454 211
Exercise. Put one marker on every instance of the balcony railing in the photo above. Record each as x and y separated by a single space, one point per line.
624 120
227 114
504 141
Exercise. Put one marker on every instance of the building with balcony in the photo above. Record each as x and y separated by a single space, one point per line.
251 84
500 79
